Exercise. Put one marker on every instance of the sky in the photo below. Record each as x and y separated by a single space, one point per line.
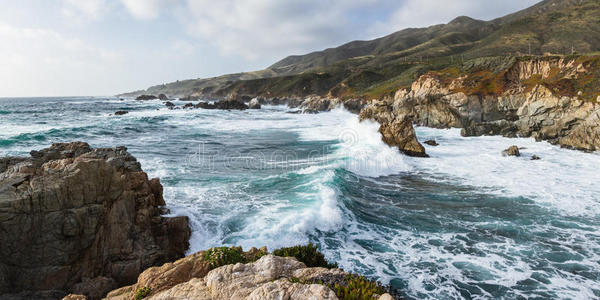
106 47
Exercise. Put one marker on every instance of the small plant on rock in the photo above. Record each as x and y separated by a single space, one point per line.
142 293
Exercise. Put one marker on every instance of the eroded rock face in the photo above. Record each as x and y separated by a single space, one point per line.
568 121
82 220
401 133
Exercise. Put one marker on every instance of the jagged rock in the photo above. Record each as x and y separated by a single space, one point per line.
70 213
401 133
354 105
511 151
121 112
146 97
432 143
163 97
169 105
254 104
74 297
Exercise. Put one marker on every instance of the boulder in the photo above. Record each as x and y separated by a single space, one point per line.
189 105
535 157
146 97
432 143
121 112
77 219
400 133
169 105
511 151
163 97
254 104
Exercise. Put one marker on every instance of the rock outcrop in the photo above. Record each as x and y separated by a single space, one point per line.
269 277
81 220
163 97
395 130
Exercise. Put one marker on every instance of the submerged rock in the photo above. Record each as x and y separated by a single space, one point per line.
432 143
121 112
77 219
169 105
511 151
535 157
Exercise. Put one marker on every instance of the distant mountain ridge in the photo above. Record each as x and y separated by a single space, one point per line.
550 26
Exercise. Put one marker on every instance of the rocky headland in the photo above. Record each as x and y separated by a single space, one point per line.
79 220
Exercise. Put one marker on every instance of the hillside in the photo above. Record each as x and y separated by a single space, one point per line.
377 67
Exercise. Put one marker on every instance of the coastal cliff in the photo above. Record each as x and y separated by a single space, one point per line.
82 220
553 99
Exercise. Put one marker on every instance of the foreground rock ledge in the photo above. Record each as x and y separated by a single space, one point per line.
81 220
269 277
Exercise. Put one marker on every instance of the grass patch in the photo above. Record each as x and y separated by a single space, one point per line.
221 256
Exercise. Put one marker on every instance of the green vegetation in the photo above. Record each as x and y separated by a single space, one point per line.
358 288
222 256
308 254
142 293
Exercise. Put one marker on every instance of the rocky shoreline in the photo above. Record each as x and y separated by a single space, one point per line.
512 97
83 223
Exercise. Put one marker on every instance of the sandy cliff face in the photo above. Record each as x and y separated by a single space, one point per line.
82 220
524 107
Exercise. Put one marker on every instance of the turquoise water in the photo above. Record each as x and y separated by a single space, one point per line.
465 224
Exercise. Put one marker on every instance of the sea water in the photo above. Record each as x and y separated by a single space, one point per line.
466 223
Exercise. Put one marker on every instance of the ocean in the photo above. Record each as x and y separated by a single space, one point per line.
466 223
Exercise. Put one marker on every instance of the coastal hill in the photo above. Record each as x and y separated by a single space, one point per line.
376 68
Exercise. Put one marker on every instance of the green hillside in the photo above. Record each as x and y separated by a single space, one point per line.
378 67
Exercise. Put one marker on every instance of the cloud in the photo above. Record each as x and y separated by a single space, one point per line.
147 9
45 62
255 28
422 13
85 8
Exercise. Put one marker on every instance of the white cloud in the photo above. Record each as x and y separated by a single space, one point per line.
258 28
422 13
85 8
44 62
146 9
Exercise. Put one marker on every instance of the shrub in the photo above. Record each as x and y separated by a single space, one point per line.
308 254
357 288
221 256
142 293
